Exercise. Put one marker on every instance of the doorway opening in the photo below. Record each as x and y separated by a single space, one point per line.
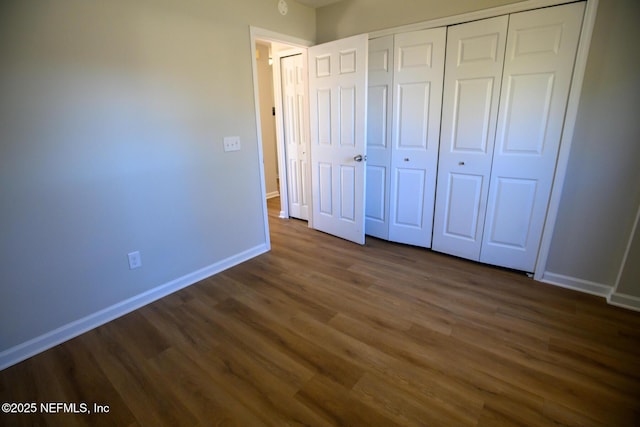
281 118
333 151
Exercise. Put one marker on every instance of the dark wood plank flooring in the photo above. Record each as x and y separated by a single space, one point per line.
324 332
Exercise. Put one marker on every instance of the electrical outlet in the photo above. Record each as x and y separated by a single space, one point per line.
231 143
135 260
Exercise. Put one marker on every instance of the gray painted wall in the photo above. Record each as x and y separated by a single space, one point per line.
601 193
112 116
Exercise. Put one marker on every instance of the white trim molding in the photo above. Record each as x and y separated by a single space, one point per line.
256 105
273 194
625 257
630 302
71 330
258 33
574 283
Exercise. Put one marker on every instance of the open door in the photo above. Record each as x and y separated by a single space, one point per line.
338 101
294 114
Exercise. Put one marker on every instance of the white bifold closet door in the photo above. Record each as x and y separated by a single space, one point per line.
379 107
417 91
475 55
538 67
501 222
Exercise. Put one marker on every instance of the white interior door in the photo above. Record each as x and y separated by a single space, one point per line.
338 103
379 107
294 100
417 91
540 53
473 73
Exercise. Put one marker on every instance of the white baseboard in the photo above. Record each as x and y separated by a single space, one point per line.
71 330
568 282
283 215
273 194
625 301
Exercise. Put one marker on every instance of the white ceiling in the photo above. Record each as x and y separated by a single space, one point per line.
317 3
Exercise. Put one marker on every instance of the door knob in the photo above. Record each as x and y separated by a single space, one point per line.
359 158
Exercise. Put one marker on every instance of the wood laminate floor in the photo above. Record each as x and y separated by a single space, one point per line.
324 332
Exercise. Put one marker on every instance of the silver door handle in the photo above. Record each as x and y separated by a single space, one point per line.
360 158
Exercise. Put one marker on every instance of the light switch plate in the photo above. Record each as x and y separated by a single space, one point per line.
231 143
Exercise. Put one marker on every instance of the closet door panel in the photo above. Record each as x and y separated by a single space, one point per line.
462 200
514 201
528 103
417 82
538 67
473 73
376 206
379 105
413 116
472 110
409 211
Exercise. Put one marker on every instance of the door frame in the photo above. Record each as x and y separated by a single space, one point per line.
260 34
